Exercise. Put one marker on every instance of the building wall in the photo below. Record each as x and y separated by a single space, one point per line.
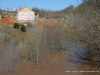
26 16
31 21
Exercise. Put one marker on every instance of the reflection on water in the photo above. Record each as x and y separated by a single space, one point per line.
70 61
7 56
79 61
76 50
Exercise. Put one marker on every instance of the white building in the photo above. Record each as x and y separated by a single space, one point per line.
26 15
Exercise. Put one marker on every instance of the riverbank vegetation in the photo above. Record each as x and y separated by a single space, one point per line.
37 44
85 22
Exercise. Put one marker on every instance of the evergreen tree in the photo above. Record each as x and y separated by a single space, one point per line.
23 29
16 26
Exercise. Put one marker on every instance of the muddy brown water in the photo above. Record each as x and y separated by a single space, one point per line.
66 64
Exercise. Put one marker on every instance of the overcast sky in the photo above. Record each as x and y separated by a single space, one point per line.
45 4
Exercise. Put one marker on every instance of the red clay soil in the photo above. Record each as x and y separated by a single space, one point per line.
25 23
8 21
42 23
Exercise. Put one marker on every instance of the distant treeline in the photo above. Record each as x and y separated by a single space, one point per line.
53 14
70 9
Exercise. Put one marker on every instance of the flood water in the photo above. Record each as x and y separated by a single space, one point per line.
68 63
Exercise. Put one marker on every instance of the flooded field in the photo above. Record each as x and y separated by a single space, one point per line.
62 63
